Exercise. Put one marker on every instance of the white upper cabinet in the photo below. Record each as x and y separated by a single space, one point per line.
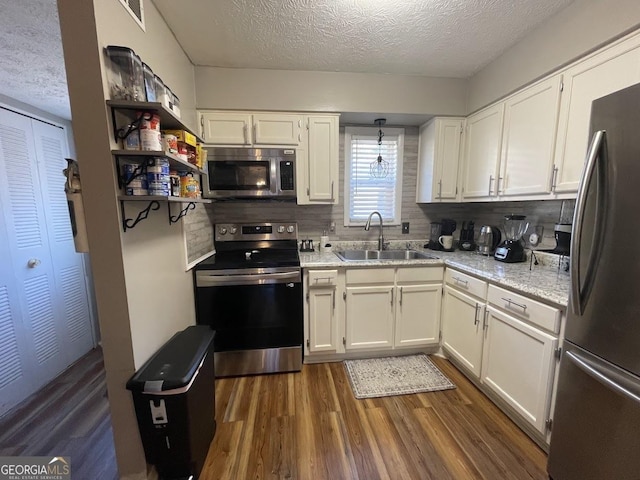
439 160
318 161
606 72
223 128
277 129
482 153
528 140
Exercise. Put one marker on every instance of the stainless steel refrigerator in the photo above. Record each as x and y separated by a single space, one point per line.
596 422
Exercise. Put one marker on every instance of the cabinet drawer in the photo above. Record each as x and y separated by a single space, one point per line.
420 274
466 283
323 278
534 312
370 275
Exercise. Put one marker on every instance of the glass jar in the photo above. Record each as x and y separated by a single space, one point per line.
149 83
125 74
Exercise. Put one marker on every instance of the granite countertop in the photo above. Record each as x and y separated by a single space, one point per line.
545 281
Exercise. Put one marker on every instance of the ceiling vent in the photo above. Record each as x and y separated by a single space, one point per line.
136 10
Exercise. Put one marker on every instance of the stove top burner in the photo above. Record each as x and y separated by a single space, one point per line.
262 245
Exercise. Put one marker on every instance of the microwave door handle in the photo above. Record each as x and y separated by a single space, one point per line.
275 176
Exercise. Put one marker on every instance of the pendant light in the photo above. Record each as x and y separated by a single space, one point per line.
379 168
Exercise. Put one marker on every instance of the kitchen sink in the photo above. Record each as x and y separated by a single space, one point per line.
362 255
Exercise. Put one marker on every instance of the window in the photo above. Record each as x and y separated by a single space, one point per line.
365 193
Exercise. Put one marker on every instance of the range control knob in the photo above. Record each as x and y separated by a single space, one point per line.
281 229
291 229
222 231
233 230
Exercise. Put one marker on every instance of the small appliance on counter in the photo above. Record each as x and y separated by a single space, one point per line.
562 233
512 249
443 228
489 239
467 241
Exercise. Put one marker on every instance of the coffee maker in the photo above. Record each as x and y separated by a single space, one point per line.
437 229
512 250
562 233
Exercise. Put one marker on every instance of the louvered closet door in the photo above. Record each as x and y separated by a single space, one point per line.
71 294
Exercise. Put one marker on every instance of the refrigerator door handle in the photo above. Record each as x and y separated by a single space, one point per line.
597 142
604 376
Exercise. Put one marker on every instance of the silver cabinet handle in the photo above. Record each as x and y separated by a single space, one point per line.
597 143
299 138
202 126
333 299
400 296
484 320
511 302
499 181
475 317
460 280
392 296
554 173
439 188
328 279
490 183
332 190
33 263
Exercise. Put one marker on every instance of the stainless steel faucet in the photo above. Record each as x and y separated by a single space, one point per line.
381 245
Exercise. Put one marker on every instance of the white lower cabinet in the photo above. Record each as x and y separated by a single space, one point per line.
369 317
323 312
418 315
518 365
462 332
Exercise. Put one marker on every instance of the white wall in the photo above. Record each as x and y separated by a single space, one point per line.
251 89
143 293
573 32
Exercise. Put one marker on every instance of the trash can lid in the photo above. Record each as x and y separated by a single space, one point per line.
175 363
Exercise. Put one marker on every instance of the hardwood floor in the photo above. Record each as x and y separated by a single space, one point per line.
308 425
68 417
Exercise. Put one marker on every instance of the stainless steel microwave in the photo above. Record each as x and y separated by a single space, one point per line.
250 173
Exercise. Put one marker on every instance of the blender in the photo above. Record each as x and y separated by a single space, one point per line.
512 250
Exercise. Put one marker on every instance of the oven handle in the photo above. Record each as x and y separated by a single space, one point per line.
250 279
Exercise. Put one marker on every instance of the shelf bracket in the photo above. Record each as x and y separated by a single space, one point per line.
139 171
121 133
129 223
183 212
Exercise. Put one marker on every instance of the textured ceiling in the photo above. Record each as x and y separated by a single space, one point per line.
446 38
425 37
31 62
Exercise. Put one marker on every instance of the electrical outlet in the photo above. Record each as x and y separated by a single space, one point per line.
405 227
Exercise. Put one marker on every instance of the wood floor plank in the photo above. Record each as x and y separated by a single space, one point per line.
253 400
223 453
282 448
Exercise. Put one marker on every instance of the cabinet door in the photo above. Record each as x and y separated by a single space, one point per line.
369 318
221 128
482 153
417 315
277 129
528 142
322 165
605 73
449 133
518 365
439 159
322 320
462 332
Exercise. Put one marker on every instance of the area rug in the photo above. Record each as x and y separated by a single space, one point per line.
385 377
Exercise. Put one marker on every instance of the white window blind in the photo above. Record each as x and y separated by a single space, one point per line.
365 192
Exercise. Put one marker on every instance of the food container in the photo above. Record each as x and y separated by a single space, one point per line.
183 151
162 94
125 74
183 136
174 181
150 136
149 82
189 186
131 141
170 143
134 185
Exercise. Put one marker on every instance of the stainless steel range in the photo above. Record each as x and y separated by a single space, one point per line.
250 292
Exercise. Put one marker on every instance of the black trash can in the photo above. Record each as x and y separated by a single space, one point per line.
174 398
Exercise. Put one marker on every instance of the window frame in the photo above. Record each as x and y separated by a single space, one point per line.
349 132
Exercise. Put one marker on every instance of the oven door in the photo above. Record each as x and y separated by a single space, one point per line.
247 177
252 309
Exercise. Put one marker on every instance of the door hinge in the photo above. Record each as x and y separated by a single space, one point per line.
344 341
549 423
307 296
558 353
308 343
